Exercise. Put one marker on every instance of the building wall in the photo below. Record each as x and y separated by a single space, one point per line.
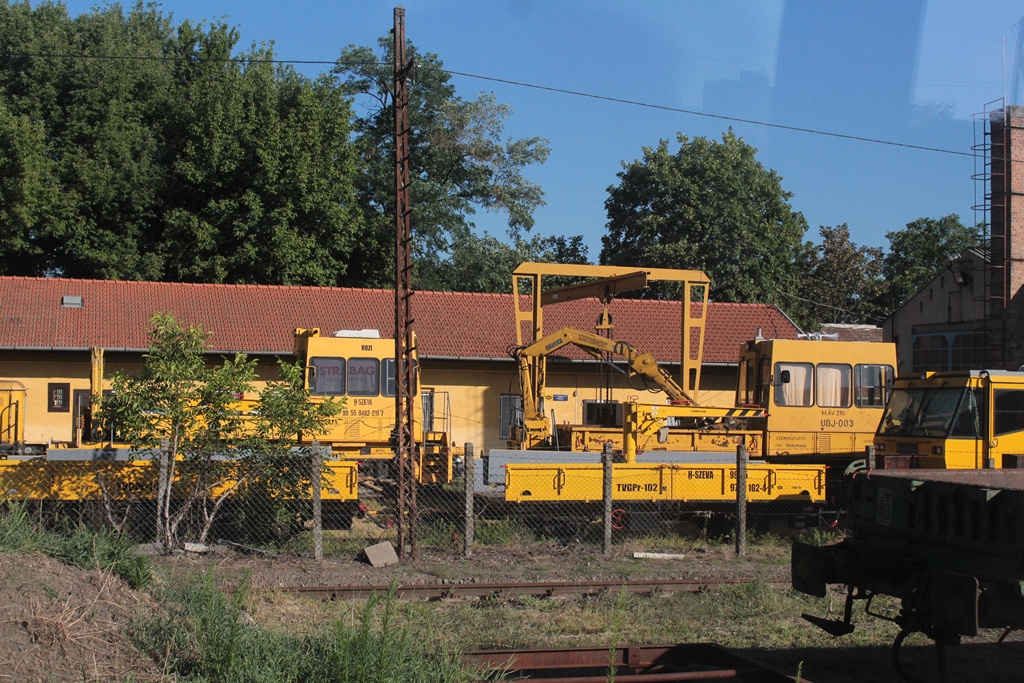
944 306
474 390
43 372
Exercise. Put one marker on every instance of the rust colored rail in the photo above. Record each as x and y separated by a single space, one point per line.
437 591
628 664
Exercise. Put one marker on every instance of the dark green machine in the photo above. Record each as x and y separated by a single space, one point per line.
949 544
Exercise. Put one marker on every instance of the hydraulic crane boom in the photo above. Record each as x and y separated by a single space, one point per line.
535 423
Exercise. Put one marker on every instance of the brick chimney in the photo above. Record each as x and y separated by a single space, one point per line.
1006 269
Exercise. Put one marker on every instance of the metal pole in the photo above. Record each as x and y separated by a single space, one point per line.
318 521
606 490
741 500
405 389
469 472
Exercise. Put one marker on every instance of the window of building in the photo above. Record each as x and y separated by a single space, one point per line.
602 413
948 351
793 384
967 351
833 385
511 414
930 352
59 394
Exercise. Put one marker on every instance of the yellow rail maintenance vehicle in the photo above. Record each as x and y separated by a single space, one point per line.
967 419
641 478
359 366
797 401
823 398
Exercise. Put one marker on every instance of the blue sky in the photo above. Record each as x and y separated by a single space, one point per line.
874 69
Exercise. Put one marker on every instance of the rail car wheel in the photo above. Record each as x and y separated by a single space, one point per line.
940 653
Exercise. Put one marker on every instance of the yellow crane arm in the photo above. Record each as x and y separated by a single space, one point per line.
532 371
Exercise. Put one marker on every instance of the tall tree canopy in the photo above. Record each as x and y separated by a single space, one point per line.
134 148
459 163
840 283
139 150
916 254
709 206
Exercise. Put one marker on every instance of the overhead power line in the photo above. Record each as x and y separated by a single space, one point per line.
523 84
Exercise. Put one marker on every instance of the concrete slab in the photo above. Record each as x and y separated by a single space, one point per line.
381 554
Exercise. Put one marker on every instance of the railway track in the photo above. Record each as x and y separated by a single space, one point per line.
626 664
440 591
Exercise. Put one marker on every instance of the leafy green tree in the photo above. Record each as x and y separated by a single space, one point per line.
459 163
841 283
262 181
149 151
916 254
709 206
187 415
29 202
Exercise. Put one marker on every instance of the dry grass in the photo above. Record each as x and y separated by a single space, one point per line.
761 622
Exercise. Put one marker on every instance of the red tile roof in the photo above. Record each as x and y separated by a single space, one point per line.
261 318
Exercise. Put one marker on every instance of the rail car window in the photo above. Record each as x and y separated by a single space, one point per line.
833 385
747 380
764 381
970 416
793 384
920 412
1008 412
870 385
363 377
389 377
327 376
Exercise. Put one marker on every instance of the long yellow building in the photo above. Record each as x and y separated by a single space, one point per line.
59 338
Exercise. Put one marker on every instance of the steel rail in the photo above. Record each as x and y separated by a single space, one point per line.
439 591
628 664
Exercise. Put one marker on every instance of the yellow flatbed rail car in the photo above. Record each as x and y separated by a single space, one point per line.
662 482
78 475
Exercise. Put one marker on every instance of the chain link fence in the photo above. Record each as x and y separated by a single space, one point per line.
494 498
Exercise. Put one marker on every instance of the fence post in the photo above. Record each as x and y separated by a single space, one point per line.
741 500
606 491
469 473
318 521
163 482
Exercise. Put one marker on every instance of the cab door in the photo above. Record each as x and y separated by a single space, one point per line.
1007 425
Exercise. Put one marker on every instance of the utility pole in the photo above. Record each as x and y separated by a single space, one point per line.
405 373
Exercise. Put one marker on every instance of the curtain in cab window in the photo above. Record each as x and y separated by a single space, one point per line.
797 391
833 387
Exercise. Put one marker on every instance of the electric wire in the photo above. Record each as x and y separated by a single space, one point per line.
520 84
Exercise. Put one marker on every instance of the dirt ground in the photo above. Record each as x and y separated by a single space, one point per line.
60 623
